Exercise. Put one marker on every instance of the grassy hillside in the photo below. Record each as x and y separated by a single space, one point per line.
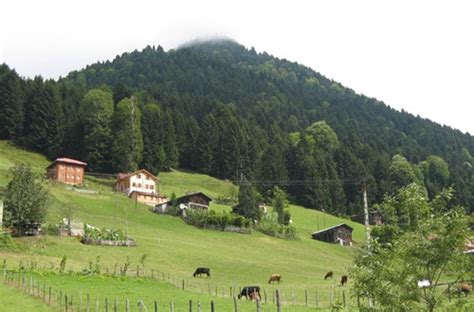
176 248
11 298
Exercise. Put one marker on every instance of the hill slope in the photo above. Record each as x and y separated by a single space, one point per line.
273 97
176 248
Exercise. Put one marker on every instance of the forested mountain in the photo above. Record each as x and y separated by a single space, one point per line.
219 108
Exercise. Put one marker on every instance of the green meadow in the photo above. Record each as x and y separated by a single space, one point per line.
175 249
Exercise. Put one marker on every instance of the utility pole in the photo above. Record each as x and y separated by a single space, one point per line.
366 217
367 230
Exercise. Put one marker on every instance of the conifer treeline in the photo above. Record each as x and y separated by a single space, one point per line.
221 109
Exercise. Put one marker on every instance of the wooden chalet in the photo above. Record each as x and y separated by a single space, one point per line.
375 218
341 233
141 186
67 170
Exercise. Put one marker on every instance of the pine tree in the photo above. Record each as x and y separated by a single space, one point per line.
206 144
249 198
127 144
44 121
11 104
170 145
153 152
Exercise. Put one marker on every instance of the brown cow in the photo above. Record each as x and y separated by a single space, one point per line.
344 280
464 288
275 278
254 296
328 275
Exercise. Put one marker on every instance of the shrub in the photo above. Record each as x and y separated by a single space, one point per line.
215 220
269 225
6 242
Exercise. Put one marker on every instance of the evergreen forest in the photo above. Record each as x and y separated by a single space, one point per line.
219 108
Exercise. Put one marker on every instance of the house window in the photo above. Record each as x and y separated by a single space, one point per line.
152 187
146 186
133 184
139 185
139 176
147 178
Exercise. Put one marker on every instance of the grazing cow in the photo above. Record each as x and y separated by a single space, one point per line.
200 271
254 296
328 275
464 288
275 278
344 280
247 290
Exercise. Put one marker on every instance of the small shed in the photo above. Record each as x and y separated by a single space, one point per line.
375 218
197 200
341 233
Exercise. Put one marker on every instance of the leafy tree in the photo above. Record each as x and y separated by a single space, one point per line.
127 143
402 173
249 199
96 115
11 104
120 92
407 207
436 174
26 199
280 205
434 251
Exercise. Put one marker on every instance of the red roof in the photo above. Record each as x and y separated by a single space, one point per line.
69 161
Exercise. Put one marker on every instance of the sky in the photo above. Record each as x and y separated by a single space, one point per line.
412 55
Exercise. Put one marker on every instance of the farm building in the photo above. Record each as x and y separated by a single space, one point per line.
67 170
197 200
341 233
375 218
141 186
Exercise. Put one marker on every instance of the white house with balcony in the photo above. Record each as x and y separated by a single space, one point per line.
141 186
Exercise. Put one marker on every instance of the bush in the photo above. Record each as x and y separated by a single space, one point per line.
6 242
269 225
215 220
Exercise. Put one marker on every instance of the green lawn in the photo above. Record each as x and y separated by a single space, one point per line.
14 300
176 248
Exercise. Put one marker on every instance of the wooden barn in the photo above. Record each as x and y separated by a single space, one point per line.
341 233
375 218
197 200
67 170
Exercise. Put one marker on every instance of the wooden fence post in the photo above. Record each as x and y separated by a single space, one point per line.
49 296
66 303
138 271
97 305
88 302
106 303
278 303
259 305
316 298
305 297
182 284
236 308
141 305
212 306
293 296
344 297
115 305
190 305
265 295
171 306
199 307
127 305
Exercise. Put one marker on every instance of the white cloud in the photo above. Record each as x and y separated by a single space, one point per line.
415 55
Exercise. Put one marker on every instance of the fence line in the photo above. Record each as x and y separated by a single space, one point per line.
278 297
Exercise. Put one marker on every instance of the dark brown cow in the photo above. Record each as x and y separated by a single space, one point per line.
275 278
247 290
344 280
464 288
328 275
